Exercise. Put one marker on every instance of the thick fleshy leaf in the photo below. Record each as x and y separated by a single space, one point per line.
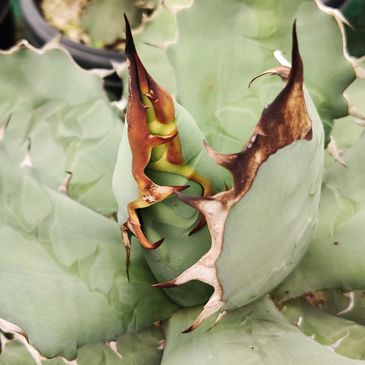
63 276
139 348
99 12
244 36
15 353
66 114
343 336
346 131
286 150
255 335
158 31
172 219
336 255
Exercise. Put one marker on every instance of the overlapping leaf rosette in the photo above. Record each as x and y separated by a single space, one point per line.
218 183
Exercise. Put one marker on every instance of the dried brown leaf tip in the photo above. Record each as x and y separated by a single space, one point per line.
154 142
283 122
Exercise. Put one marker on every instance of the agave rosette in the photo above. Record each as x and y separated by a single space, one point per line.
288 136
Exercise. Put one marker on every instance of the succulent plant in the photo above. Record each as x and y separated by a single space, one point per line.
217 186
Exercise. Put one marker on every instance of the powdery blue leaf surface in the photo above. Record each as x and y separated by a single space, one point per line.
65 113
62 266
255 335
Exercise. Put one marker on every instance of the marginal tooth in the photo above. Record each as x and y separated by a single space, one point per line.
338 342
355 113
280 57
160 193
158 140
282 71
202 222
113 346
70 362
19 335
179 187
102 72
214 305
203 270
165 285
200 203
143 240
150 95
161 344
4 127
222 159
351 303
65 186
361 123
127 246
218 319
335 152
27 160
299 321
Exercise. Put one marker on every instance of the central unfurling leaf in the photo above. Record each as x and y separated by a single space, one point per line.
154 143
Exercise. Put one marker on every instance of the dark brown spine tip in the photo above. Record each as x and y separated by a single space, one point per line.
167 284
180 188
155 245
186 199
191 328
296 74
202 222
129 43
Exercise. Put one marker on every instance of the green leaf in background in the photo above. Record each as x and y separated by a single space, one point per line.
139 348
101 12
15 353
213 76
257 335
63 277
336 256
66 114
344 336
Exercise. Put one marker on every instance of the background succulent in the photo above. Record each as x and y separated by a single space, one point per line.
84 20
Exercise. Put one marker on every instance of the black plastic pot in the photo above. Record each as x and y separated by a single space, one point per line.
7 37
38 32
334 3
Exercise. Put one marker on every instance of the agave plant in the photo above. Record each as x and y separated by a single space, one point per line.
217 184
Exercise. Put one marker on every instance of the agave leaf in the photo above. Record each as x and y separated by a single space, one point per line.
172 219
244 221
150 161
244 36
142 347
132 348
336 255
344 336
66 114
15 353
68 286
158 31
101 12
257 334
347 130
